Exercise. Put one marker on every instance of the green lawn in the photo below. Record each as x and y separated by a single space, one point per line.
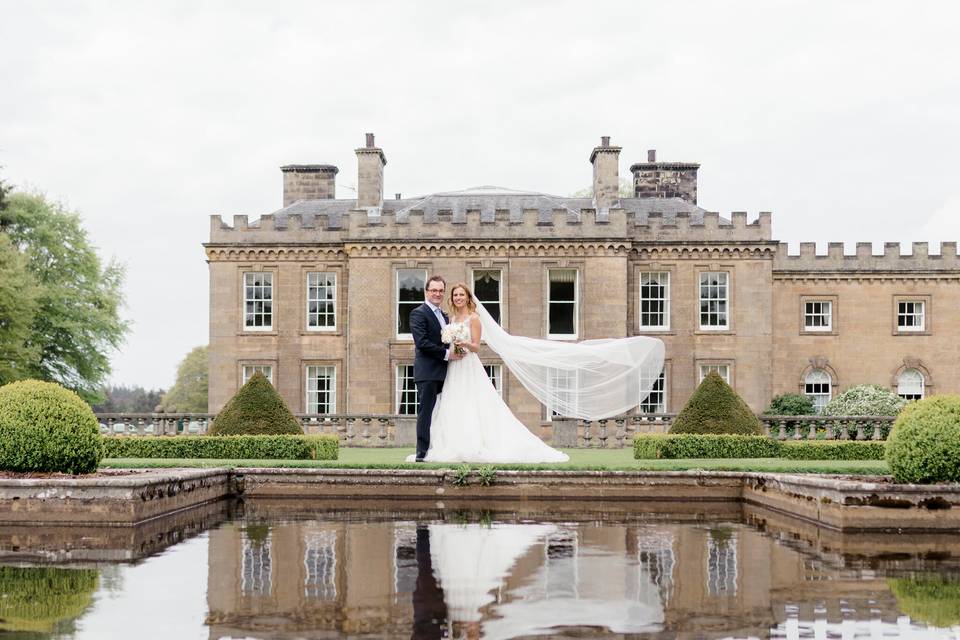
580 459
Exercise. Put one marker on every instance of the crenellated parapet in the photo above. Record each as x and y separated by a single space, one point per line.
863 260
492 223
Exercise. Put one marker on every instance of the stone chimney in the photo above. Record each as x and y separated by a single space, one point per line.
652 179
370 163
606 174
308 182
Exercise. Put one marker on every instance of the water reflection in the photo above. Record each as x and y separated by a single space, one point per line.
439 574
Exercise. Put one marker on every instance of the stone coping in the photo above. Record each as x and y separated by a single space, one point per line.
841 503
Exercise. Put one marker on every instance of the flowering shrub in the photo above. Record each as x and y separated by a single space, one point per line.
865 400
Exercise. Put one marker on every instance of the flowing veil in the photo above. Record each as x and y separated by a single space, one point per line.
590 380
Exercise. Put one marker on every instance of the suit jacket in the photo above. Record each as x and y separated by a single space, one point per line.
429 353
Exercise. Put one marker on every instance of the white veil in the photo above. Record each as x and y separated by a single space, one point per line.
590 380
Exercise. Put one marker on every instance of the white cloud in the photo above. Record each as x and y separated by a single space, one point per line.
841 118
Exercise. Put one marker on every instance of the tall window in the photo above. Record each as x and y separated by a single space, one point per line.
818 385
495 373
722 562
722 369
714 300
258 301
818 315
656 401
410 295
322 389
910 385
487 289
320 565
910 316
563 303
406 391
322 301
655 300
561 383
250 369
256 566
405 569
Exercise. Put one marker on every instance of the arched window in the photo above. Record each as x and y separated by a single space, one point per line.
817 384
910 384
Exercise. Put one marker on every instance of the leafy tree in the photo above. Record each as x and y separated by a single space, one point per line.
625 190
18 309
189 393
122 399
791 404
77 320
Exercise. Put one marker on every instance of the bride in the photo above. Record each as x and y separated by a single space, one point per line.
593 379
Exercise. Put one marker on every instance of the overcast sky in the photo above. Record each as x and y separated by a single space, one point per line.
842 118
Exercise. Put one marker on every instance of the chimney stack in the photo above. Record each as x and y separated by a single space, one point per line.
652 179
308 182
370 163
606 175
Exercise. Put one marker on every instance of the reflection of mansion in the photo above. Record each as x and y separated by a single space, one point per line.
663 579
317 295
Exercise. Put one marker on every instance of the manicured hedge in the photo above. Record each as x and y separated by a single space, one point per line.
226 447
256 409
715 408
44 427
924 444
676 446
832 450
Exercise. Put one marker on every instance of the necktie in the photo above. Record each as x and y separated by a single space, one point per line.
439 317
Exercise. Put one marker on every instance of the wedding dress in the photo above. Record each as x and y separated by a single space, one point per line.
472 423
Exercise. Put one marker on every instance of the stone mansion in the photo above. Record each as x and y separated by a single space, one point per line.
317 294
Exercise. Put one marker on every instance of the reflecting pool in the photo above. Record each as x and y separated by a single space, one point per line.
294 570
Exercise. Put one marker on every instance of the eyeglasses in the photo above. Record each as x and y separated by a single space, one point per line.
435 290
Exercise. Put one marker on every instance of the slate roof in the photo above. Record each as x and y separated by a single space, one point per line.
488 200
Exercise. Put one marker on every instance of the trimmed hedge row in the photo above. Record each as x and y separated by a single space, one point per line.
670 446
225 447
689 445
832 450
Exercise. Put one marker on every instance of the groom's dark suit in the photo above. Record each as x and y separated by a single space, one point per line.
429 368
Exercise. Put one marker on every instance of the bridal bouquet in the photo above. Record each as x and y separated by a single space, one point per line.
455 332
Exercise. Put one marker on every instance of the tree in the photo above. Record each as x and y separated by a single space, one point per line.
625 190
123 399
77 320
18 308
256 409
189 393
716 408
790 404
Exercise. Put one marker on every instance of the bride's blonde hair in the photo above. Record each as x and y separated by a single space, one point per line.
471 305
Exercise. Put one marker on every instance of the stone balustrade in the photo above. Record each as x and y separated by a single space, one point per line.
369 430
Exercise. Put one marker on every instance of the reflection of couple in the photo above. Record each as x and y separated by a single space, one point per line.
469 422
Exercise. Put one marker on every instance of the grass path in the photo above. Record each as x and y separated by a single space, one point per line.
580 459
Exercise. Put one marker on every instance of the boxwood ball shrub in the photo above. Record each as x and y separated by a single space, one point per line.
256 409
44 427
924 444
716 408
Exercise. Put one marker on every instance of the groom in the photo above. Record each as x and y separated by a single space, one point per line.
430 358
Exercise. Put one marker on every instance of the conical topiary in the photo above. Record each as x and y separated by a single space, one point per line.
716 408
256 409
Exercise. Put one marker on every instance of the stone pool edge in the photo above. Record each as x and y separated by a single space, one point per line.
837 503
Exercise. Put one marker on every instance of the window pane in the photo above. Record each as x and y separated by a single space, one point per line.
258 296
654 300
486 287
561 318
817 384
322 389
656 401
495 375
321 297
410 294
406 390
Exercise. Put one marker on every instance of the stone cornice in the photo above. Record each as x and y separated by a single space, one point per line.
693 251
866 276
245 253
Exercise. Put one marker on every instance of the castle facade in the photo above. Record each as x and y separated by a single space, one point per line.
317 295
